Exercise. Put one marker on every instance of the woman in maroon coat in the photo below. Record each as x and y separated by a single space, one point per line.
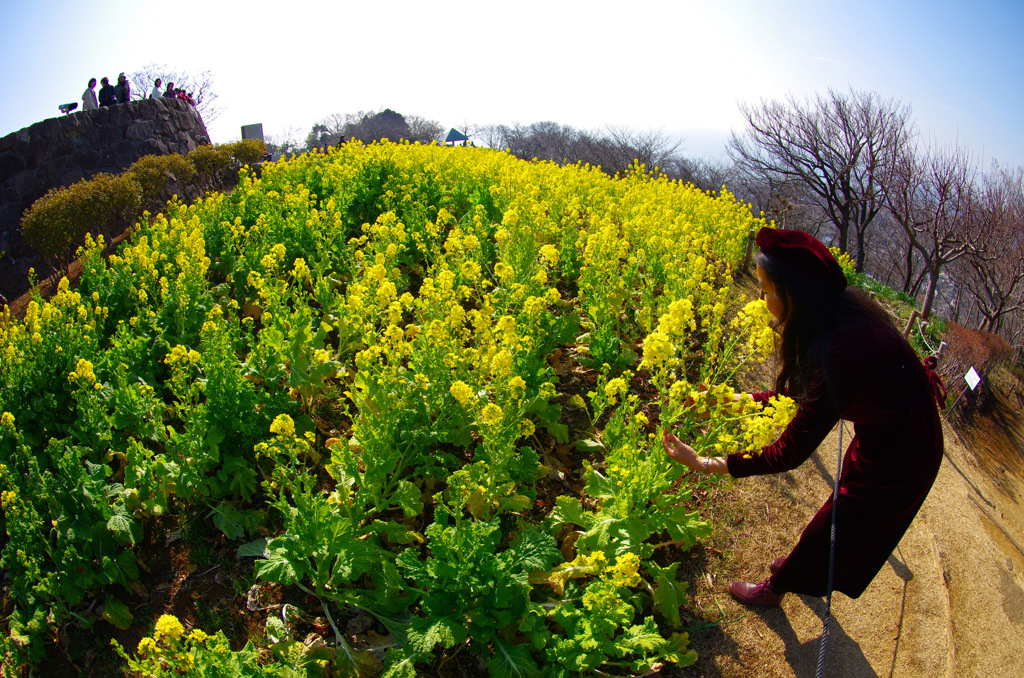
841 358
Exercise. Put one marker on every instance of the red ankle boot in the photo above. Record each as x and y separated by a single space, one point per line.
754 594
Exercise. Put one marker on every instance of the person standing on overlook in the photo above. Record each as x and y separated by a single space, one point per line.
89 96
122 90
841 358
157 92
106 93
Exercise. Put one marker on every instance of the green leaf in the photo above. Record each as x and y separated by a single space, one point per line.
564 329
235 523
524 465
355 558
643 639
129 566
398 627
400 662
569 510
117 613
512 661
446 631
668 593
549 414
614 535
239 476
589 445
684 527
396 533
560 432
407 496
535 551
677 650
309 661
352 664
276 568
121 527
256 548
276 630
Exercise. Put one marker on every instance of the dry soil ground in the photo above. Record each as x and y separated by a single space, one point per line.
950 601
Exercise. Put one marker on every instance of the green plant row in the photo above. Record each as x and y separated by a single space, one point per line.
372 352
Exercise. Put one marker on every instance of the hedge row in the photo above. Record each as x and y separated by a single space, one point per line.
58 222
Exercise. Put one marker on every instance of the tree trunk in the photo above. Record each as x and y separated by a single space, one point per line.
929 297
908 281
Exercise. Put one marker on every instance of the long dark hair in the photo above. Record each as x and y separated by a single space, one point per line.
812 314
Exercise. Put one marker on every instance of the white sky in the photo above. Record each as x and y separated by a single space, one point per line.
680 66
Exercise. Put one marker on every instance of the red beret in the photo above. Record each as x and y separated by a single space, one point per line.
803 252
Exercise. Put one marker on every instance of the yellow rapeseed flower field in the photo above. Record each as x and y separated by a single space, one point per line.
363 362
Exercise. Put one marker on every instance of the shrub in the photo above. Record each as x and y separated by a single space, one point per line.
209 159
56 223
153 171
247 151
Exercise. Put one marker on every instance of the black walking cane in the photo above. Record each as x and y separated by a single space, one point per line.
831 558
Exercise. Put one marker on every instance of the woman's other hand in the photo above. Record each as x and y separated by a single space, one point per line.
682 453
679 451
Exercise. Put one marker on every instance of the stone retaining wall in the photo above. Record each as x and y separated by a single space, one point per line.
60 151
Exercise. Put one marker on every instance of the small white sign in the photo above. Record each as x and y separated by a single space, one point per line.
972 378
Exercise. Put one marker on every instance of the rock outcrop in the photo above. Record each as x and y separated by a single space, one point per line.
60 151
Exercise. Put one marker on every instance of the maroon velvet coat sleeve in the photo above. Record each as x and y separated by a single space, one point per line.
817 414
814 419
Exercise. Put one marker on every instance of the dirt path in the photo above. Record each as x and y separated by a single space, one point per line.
950 601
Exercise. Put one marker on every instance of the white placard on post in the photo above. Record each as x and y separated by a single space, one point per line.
972 378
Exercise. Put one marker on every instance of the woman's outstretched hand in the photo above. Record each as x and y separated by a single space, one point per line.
679 451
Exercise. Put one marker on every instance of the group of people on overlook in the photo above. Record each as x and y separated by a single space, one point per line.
121 93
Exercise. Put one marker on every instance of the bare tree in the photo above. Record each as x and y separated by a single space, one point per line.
614 150
199 85
541 140
841 146
931 197
993 276
284 142
895 261
423 130
707 174
492 136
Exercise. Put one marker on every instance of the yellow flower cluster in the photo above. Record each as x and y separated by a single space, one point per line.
625 571
491 414
168 626
461 392
846 263
283 426
83 374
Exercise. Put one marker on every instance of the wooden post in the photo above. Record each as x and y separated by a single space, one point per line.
750 250
910 323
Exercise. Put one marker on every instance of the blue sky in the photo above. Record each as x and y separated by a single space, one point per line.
679 67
